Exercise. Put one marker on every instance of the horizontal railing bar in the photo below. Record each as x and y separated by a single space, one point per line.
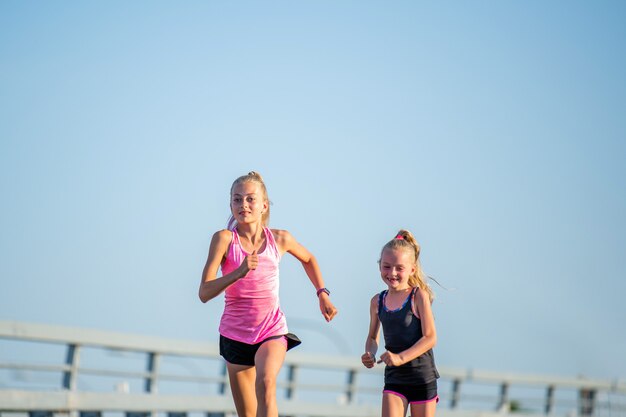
109 372
85 401
314 387
109 340
35 367
199 379
160 376
517 379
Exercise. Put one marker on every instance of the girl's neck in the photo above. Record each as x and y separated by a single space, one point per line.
252 232
399 290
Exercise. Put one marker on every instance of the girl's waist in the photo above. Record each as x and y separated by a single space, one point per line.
257 306
399 349
250 298
398 346
249 326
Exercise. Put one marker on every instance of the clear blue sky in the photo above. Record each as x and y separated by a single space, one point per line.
495 131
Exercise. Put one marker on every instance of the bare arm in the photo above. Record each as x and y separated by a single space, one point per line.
429 334
371 342
287 243
210 285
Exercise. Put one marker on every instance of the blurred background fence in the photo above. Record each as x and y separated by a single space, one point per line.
54 371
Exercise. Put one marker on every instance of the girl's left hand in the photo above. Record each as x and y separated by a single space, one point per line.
326 307
390 359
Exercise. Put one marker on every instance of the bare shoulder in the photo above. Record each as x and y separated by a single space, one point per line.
374 300
222 236
421 296
220 242
282 236
280 233
374 303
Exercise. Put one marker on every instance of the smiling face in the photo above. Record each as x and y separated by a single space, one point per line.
396 265
247 203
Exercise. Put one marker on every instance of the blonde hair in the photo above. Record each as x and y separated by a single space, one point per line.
404 240
254 177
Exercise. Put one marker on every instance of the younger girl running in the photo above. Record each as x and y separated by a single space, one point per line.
409 329
253 331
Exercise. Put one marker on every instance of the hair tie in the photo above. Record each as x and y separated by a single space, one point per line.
399 236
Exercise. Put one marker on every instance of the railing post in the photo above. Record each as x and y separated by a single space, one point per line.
455 395
504 397
292 379
351 391
587 401
549 400
153 371
222 386
72 358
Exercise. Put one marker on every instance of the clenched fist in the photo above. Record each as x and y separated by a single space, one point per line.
368 359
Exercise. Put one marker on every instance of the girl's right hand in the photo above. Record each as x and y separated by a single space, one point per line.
368 359
249 263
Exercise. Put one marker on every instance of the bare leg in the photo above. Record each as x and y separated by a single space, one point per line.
394 405
242 386
269 359
424 409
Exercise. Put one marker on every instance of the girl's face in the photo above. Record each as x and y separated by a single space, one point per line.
247 203
396 265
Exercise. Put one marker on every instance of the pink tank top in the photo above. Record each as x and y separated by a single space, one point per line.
252 312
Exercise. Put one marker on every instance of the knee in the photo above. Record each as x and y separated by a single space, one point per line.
266 383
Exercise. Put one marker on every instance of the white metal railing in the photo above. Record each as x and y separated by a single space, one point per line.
310 385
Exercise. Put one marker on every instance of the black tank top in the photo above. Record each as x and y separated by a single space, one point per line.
402 330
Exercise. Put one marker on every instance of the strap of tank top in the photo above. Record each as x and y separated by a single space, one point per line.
381 297
235 237
269 238
413 309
